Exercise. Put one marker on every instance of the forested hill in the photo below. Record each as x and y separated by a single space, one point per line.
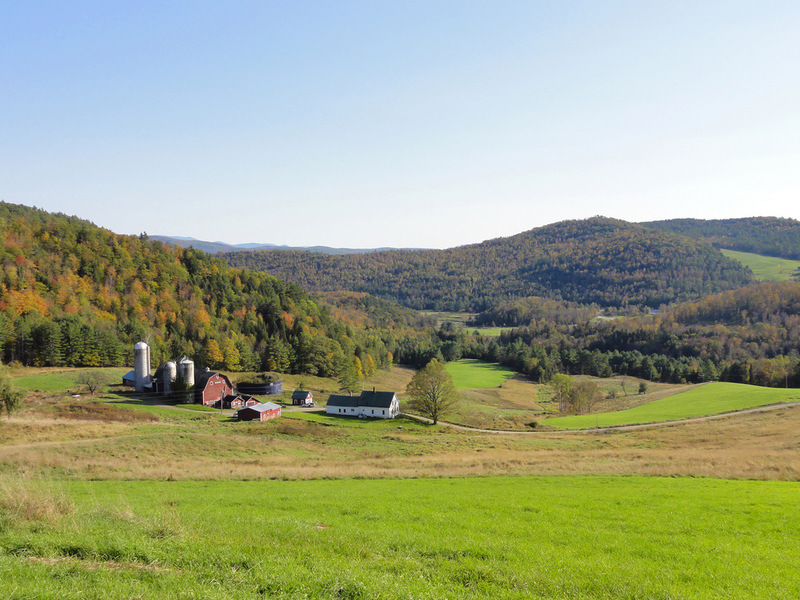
598 260
770 236
74 294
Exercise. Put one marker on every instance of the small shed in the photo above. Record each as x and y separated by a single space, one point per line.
302 398
262 411
129 379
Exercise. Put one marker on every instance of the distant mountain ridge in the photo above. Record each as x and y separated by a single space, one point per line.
220 247
599 260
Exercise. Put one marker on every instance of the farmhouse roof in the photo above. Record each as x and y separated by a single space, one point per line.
299 394
371 399
375 399
343 401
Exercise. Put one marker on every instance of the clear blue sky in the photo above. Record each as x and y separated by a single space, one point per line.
425 123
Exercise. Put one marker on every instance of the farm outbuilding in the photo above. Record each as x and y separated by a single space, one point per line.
236 401
302 398
374 404
261 411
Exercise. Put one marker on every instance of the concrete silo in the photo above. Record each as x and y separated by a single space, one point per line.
186 371
141 366
170 373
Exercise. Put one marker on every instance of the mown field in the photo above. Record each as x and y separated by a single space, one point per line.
507 537
709 399
471 374
766 268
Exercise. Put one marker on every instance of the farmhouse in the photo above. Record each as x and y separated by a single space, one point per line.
211 387
302 398
261 411
380 405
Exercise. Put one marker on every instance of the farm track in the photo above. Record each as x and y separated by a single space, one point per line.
610 429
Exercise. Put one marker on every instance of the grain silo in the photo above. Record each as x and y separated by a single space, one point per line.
170 372
141 366
186 371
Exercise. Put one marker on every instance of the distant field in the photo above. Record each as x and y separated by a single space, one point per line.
766 268
472 374
489 331
593 538
709 399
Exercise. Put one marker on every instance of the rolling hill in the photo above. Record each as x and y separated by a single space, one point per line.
599 260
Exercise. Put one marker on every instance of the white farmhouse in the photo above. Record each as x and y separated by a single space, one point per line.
378 405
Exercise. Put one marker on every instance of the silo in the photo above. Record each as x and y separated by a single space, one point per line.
170 372
186 371
141 366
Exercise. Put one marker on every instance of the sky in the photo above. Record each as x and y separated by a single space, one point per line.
406 124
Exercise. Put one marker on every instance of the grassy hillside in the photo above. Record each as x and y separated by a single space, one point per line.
599 260
766 268
709 399
577 537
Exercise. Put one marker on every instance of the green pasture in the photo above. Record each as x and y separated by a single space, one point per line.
584 538
62 380
766 268
709 399
472 374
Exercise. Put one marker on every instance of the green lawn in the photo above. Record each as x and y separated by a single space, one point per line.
588 538
709 399
472 374
766 268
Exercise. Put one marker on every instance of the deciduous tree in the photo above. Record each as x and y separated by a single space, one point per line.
431 391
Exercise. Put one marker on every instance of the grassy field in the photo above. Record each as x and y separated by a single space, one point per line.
766 268
113 436
509 537
472 374
709 399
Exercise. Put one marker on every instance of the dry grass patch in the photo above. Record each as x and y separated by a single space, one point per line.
31 501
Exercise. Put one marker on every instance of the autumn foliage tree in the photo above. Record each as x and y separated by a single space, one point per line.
431 391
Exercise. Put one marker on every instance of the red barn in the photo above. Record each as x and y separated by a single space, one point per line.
211 387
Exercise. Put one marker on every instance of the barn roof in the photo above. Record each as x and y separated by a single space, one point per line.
201 378
261 407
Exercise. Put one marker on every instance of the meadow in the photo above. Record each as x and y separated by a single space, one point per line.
709 399
471 374
766 268
503 537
